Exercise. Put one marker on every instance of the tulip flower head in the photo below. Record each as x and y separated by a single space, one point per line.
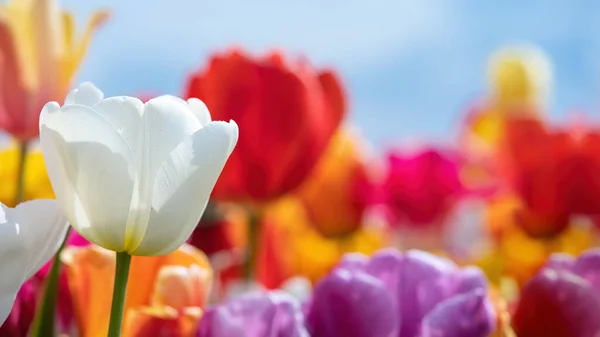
254 315
520 74
341 188
404 295
31 234
562 300
40 55
167 293
287 112
133 177
422 187
554 171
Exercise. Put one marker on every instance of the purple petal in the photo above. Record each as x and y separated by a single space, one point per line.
588 267
469 279
352 304
466 315
386 265
354 262
561 261
426 280
274 314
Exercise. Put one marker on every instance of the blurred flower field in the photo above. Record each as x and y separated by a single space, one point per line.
251 206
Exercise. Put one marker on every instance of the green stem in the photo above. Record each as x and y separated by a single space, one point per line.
253 242
23 149
119 292
45 315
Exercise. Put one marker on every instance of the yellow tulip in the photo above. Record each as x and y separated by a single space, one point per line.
519 75
40 55
35 183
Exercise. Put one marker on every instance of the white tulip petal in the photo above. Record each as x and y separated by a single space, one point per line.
29 236
166 121
183 186
45 227
85 94
14 258
125 114
91 168
200 110
6 303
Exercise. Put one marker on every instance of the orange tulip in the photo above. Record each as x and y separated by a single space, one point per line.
339 190
286 112
164 293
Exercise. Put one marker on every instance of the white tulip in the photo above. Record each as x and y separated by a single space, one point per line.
30 234
133 177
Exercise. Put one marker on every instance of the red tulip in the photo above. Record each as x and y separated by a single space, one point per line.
286 114
562 300
422 187
555 172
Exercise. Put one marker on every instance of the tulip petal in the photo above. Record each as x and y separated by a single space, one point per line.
352 304
467 315
41 216
29 236
85 94
166 122
254 315
125 114
557 304
183 185
200 110
91 169
588 267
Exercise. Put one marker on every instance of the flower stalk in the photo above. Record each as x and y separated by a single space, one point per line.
46 312
119 293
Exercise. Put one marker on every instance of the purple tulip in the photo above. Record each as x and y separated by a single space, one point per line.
352 304
273 314
563 299
429 295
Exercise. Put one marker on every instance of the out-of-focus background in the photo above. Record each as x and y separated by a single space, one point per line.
425 135
411 66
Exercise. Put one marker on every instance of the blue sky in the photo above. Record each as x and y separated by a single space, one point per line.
410 66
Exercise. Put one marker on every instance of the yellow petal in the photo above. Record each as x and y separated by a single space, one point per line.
520 75
74 56
36 182
68 22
